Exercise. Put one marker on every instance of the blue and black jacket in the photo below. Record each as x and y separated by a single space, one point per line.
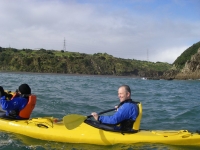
14 106
127 112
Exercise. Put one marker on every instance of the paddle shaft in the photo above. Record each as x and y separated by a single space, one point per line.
103 112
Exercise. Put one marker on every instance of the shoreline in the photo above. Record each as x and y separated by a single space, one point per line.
65 74
90 75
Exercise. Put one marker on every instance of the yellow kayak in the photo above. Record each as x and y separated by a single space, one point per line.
47 128
79 129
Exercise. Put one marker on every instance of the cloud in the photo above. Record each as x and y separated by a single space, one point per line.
88 27
168 55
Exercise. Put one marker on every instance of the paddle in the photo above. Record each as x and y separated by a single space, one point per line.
74 120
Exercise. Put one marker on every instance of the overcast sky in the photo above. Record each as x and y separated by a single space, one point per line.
154 30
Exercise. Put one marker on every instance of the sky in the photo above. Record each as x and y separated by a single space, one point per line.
149 30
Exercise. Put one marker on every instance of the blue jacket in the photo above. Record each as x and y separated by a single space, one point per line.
17 104
125 111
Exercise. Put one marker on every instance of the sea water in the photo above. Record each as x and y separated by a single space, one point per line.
167 105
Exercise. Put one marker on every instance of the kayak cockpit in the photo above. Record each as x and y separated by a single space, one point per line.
106 127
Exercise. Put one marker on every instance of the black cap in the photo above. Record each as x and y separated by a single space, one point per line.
24 89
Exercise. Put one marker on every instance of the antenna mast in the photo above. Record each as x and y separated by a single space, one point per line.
64 46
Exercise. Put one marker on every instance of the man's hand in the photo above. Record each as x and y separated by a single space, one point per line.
95 115
8 96
116 107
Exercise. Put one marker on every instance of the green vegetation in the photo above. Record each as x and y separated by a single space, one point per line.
51 61
186 55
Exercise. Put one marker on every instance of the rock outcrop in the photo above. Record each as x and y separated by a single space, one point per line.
191 69
170 74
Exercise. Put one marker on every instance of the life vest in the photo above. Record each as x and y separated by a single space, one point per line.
136 125
129 124
27 110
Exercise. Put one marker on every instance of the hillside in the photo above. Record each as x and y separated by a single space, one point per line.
186 55
187 65
191 70
52 61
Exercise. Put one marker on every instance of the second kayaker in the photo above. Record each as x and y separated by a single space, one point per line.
126 114
18 106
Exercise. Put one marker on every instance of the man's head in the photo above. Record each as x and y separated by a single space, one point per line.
124 93
24 89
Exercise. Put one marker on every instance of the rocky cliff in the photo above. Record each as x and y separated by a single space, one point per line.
191 69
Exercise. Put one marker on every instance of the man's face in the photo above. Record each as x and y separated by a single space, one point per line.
122 94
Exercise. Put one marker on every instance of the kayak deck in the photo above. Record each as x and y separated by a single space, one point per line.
47 128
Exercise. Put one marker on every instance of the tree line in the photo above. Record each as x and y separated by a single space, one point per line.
52 61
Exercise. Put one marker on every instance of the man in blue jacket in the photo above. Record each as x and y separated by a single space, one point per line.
13 107
126 114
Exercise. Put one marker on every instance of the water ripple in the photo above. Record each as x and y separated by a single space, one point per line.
166 104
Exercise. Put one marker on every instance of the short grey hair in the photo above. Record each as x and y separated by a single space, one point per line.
127 88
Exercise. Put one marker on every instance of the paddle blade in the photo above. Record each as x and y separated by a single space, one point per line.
73 120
